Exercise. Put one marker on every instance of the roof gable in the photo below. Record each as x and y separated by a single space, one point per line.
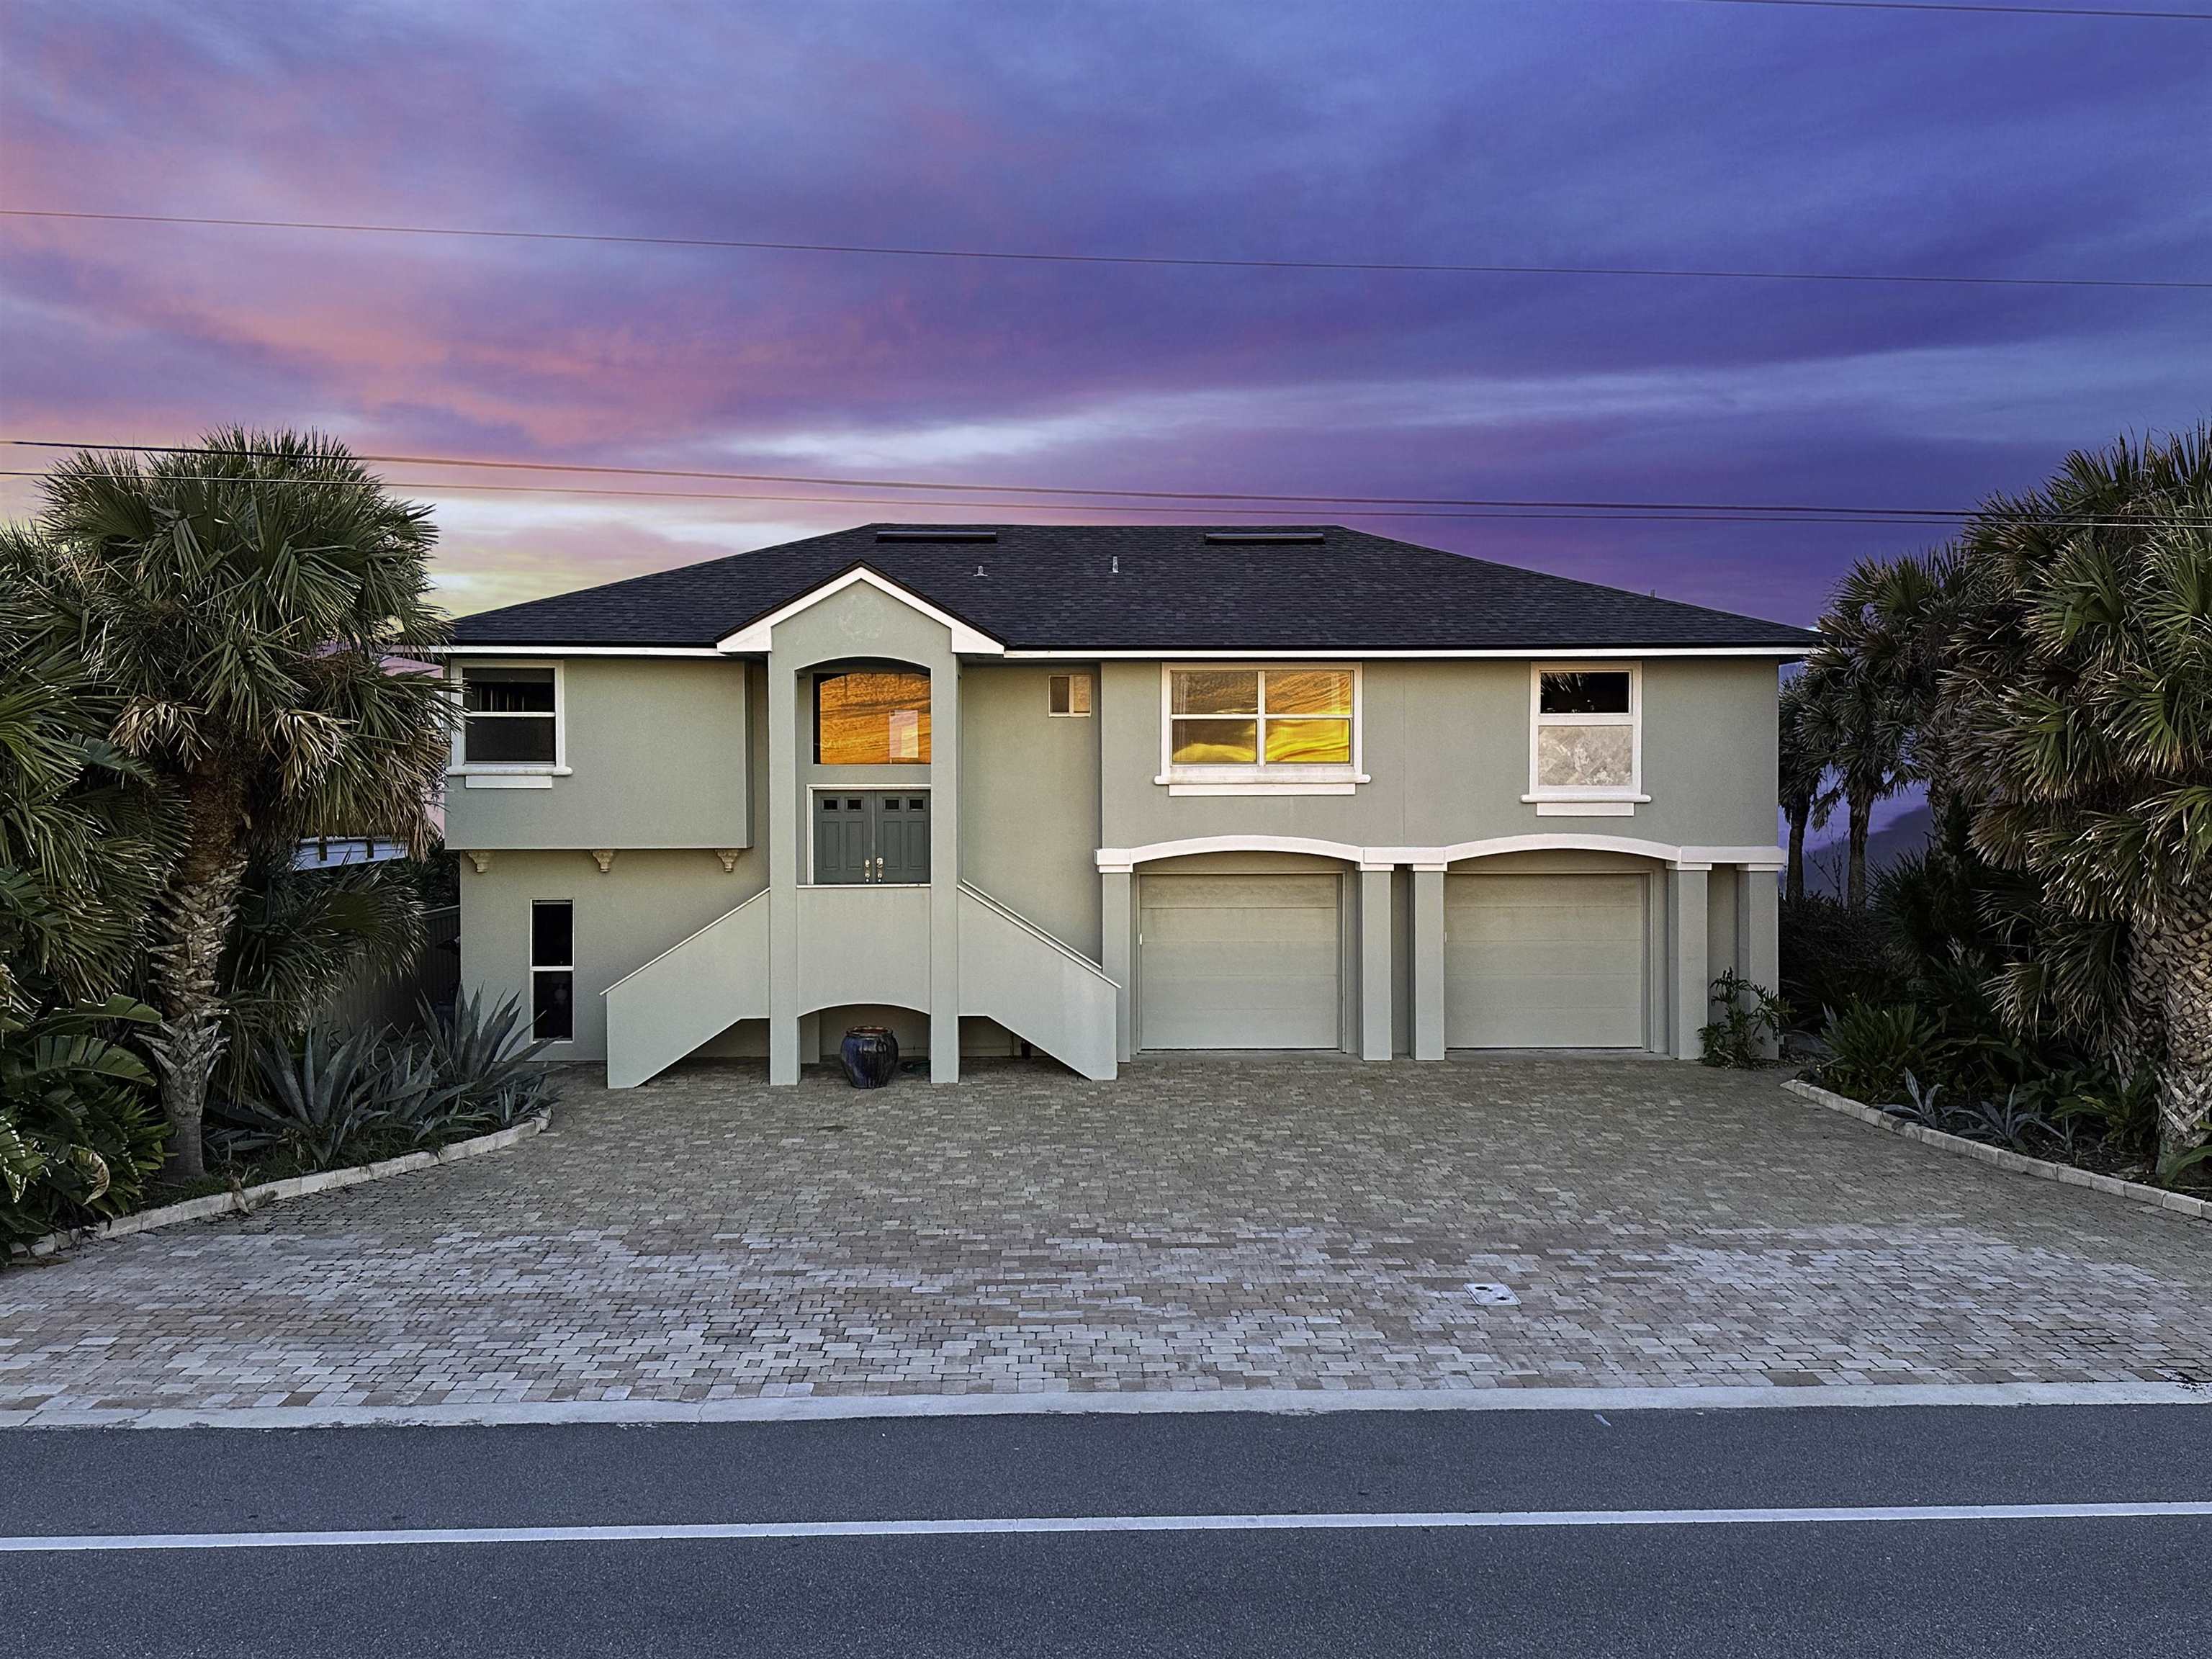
758 634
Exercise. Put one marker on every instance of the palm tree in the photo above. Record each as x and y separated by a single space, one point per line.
82 848
1803 768
1870 699
244 600
2081 697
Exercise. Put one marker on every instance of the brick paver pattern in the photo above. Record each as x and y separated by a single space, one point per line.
1205 1223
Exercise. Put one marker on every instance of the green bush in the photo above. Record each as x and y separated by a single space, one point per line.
1831 955
80 1136
1749 1027
1872 1048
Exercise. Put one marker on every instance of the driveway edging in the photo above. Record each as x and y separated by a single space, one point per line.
242 1200
2002 1157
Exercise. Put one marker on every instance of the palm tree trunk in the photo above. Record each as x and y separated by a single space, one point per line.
1855 875
195 920
1795 885
2184 959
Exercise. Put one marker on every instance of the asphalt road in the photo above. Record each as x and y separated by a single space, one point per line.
1614 1585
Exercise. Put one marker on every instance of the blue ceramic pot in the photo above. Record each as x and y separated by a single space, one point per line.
871 1056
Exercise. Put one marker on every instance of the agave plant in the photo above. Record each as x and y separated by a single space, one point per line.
486 1057
334 1100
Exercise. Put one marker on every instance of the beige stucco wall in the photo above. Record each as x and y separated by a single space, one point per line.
645 902
1447 746
657 748
1029 798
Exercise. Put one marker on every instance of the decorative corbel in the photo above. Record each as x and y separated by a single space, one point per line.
729 856
604 858
481 861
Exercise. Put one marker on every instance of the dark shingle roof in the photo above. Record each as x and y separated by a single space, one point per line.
1054 587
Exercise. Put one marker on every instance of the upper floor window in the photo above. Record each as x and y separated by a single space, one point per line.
1586 738
511 717
1275 728
871 717
1070 694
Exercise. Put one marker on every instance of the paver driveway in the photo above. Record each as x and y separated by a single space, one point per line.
1206 1223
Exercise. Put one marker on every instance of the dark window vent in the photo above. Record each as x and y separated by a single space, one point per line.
937 535
1267 538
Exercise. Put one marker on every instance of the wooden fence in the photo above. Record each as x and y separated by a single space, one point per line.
391 998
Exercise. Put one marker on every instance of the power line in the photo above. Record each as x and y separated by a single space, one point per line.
1036 257
1884 513
1748 515
1945 5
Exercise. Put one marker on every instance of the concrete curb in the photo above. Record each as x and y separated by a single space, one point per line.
824 1408
244 1202
2002 1157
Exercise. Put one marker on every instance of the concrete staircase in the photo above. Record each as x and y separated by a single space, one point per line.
689 993
1048 993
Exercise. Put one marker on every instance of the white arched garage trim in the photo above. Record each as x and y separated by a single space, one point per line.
1121 859
1112 861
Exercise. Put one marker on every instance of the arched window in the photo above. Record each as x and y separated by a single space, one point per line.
871 717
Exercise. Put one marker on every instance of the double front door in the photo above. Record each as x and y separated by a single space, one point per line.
871 835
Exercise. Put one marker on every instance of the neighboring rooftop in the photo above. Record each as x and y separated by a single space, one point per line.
1143 587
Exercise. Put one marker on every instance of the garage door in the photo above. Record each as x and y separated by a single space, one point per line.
1238 962
1544 962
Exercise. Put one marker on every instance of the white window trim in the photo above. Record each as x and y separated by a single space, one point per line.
1622 801
457 767
538 967
1260 778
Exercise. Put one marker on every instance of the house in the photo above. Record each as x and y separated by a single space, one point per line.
1094 791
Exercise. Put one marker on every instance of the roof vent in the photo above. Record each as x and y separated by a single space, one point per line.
1267 538
937 535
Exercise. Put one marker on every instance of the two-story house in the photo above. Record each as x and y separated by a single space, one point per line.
1095 791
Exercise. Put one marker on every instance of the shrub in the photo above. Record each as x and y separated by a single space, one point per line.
79 1137
1749 1025
1873 1049
1831 955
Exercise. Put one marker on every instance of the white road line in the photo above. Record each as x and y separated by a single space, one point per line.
1002 1526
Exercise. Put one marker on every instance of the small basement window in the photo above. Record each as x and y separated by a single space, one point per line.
553 970
1587 738
511 717
1070 694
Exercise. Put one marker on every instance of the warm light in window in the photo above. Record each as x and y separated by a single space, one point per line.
1255 716
867 717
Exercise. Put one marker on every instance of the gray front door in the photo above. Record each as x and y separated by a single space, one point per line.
871 835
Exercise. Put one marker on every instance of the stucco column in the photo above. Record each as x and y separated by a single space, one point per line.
1428 988
1375 962
785 827
1686 958
1758 936
1116 893
944 871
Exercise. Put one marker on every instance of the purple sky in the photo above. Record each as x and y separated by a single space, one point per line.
1605 131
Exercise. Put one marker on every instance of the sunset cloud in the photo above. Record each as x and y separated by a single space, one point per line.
1580 132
